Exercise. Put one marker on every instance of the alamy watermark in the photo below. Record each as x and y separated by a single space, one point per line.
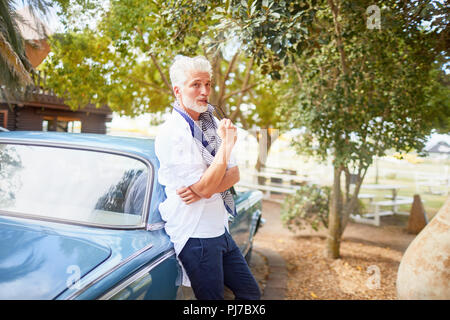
374 17
73 281
374 281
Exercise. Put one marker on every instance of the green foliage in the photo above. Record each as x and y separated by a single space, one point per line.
438 98
84 68
268 29
308 206
363 96
360 91
367 98
111 61
123 59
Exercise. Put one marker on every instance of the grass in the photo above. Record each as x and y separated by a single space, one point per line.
431 202
390 171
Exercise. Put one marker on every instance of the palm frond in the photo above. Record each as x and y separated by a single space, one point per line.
13 63
14 66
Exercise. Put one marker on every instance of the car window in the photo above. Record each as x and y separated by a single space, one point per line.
78 185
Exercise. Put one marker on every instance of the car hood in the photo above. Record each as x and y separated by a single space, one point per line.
37 263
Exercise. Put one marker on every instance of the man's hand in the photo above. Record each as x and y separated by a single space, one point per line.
187 195
214 174
227 131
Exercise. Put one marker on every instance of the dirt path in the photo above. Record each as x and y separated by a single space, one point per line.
367 269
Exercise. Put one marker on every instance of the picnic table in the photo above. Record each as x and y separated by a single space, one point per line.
278 183
280 177
394 201
434 183
393 188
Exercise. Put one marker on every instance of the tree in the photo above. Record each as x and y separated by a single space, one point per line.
14 65
250 97
438 96
122 60
361 91
112 60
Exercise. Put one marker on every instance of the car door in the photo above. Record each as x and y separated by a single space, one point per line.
158 279
155 281
240 225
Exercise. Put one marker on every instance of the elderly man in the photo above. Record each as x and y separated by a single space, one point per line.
197 168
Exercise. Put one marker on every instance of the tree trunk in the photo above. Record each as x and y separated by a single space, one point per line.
259 165
351 200
265 141
334 217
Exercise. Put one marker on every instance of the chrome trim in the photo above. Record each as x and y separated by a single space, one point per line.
262 222
42 143
250 201
33 217
155 226
242 206
136 276
107 273
255 197
247 249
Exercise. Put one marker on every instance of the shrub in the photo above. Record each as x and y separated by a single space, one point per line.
308 205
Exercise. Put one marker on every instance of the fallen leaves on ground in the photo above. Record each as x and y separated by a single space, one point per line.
362 272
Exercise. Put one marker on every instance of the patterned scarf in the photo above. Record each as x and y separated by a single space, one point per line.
208 142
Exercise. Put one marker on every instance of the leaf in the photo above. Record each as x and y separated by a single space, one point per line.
314 295
276 15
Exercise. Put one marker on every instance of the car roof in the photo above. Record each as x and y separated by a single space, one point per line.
143 147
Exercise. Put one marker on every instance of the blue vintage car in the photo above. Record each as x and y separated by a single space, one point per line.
79 219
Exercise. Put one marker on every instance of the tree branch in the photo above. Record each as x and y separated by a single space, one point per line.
352 202
244 85
217 75
297 71
338 34
239 91
162 90
163 76
152 56
221 99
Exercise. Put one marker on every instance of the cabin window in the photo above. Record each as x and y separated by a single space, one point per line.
61 124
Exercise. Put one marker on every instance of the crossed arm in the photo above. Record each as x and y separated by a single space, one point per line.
216 178
193 193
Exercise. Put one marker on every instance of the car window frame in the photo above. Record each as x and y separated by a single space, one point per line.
74 146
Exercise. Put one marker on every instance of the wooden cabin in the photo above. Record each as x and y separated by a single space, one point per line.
42 110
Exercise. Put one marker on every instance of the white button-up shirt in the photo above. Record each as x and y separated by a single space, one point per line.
182 165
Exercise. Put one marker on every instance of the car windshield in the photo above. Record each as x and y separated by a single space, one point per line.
88 187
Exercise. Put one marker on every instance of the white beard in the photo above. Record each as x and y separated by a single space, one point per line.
192 105
198 108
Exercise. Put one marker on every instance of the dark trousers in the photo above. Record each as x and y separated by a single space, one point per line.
212 263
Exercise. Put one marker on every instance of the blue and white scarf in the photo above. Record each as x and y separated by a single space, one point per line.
208 142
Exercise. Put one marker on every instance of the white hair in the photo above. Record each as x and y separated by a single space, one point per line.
182 65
